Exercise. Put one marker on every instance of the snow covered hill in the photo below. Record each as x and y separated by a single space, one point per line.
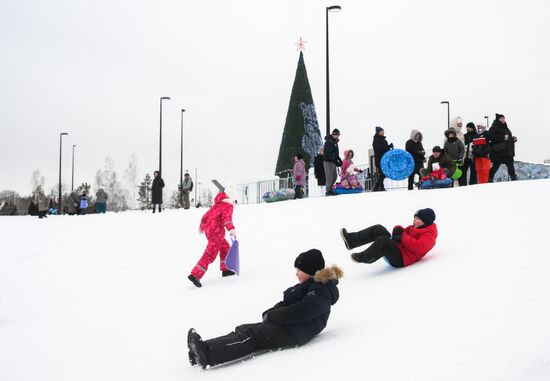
105 297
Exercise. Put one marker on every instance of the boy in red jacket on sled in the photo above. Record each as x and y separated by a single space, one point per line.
403 247
213 224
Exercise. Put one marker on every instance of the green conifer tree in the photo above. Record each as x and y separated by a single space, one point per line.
301 134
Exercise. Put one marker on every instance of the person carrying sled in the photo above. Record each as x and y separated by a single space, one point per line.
213 225
302 314
401 248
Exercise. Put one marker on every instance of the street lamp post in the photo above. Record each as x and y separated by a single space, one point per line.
333 8
181 160
448 114
60 209
72 171
487 121
160 136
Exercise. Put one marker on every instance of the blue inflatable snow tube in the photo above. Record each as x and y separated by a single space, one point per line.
397 164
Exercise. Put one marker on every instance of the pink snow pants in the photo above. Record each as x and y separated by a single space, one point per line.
216 244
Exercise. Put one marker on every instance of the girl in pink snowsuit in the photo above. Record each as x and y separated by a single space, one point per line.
213 224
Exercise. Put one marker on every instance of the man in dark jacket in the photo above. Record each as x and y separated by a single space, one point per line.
331 159
416 149
380 147
469 163
302 314
442 160
156 190
502 146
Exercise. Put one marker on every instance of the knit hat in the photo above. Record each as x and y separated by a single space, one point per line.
471 125
437 149
426 215
335 132
378 129
299 156
310 261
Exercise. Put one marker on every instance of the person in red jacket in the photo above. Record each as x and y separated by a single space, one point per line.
403 247
213 225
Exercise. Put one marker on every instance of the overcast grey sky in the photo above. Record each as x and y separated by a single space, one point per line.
96 69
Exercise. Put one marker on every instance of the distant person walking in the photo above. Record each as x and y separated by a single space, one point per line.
43 205
416 149
380 147
469 163
83 203
101 201
73 204
502 145
156 190
299 176
331 159
186 188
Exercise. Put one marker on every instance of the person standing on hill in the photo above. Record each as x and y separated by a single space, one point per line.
299 176
187 188
213 224
456 125
454 148
469 158
43 205
301 315
380 147
319 168
101 201
401 248
502 145
416 149
331 159
83 203
156 190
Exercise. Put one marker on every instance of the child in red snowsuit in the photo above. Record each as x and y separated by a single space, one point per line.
213 224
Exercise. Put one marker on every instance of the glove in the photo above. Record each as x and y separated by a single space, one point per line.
398 230
391 146
360 171
264 317
233 233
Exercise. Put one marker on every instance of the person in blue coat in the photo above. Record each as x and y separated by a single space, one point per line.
302 314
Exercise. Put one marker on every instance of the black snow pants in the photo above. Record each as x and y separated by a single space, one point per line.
247 339
382 245
509 161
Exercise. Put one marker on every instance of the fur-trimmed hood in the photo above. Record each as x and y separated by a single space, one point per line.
413 135
332 273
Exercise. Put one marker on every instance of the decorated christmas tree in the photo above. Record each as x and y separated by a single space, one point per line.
301 134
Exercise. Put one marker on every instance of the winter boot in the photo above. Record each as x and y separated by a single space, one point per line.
194 280
197 348
227 273
360 238
192 359
347 238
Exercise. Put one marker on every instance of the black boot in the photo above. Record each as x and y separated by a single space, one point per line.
194 280
360 238
227 273
197 349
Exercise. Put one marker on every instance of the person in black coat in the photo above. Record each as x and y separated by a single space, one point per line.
156 190
331 159
416 149
469 158
380 147
319 168
302 314
502 145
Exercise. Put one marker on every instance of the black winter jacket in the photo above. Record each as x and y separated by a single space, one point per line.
331 152
156 190
416 149
305 308
380 147
500 147
319 170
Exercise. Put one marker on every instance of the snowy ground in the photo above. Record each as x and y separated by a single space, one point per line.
105 297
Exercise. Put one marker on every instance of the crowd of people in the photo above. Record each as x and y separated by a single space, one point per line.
477 154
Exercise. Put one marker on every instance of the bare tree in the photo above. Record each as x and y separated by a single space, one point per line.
131 176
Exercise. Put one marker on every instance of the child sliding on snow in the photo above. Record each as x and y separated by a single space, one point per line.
302 314
403 247
218 217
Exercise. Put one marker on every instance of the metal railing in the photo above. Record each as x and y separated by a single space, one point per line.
252 192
